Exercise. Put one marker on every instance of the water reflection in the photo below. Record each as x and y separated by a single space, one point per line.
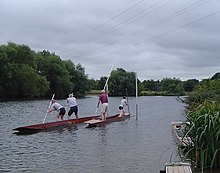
129 146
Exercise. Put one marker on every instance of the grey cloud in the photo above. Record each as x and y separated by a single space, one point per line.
139 39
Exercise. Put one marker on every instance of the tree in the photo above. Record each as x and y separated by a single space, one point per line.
215 76
93 84
18 75
80 80
206 90
101 82
20 54
54 69
122 82
172 86
149 85
190 84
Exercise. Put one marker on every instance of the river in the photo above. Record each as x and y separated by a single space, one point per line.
132 146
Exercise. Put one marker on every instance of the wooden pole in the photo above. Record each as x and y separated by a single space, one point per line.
106 83
127 101
48 108
136 99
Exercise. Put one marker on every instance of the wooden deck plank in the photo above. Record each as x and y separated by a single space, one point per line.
178 169
93 121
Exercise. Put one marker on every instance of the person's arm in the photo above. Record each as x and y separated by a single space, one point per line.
98 103
51 109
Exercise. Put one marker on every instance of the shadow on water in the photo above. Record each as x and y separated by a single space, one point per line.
59 130
128 146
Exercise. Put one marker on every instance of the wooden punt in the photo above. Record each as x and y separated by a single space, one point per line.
96 122
51 125
179 136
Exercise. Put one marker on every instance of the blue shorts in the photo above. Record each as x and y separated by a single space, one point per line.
120 107
62 111
73 109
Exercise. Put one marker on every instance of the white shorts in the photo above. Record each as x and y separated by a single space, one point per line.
104 107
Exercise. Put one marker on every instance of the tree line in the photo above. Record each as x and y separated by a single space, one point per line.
27 74
122 81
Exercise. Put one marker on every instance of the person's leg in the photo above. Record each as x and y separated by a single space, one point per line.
62 113
58 118
61 117
76 111
104 110
70 112
103 116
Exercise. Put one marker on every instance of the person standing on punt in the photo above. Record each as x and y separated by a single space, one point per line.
121 111
103 99
124 102
57 107
72 104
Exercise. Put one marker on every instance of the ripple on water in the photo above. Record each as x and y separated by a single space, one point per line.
129 146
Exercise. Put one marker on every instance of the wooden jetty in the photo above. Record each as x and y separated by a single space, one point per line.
180 167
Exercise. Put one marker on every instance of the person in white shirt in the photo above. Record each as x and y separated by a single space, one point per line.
72 104
124 102
121 112
59 108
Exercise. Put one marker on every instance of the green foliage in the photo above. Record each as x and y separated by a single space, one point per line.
80 80
25 73
18 75
206 90
190 85
204 114
53 68
20 54
205 132
150 85
122 83
152 93
215 76
101 82
167 86
93 84
172 86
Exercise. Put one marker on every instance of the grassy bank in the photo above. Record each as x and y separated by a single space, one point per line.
205 132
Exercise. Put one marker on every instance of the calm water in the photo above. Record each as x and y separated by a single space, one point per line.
131 146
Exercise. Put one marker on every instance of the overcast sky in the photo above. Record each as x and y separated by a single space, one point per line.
155 38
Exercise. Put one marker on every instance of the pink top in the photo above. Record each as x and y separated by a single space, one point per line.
103 98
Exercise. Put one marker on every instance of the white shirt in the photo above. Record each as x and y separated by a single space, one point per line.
124 102
71 101
56 106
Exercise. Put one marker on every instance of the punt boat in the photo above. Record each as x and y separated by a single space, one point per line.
179 136
96 122
51 125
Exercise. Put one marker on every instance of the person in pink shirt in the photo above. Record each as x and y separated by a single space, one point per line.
103 99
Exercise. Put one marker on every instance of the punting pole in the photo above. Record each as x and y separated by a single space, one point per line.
136 98
106 83
127 100
48 108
